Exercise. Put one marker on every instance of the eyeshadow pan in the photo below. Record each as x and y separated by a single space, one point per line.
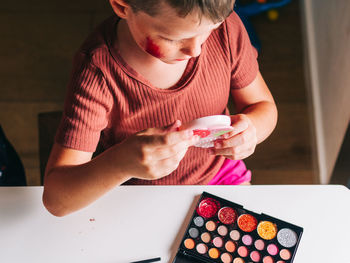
230 246
247 222
247 240
208 207
287 237
267 230
226 258
227 215
206 237
280 261
189 243
198 221
210 225
285 254
255 256
201 248
222 230
272 249
194 232
259 244
268 259
242 251
238 260
214 253
235 235
218 242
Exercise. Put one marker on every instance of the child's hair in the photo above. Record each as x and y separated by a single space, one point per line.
216 10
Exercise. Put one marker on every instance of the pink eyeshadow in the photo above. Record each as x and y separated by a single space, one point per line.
259 244
218 242
201 248
247 240
242 251
272 249
255 256
285 254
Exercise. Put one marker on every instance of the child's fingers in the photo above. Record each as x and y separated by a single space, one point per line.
239 124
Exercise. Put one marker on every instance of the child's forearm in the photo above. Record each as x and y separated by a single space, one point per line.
264 117
70 188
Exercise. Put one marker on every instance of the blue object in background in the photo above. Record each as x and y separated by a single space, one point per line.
248 10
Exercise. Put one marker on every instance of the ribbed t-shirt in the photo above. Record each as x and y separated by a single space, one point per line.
108 101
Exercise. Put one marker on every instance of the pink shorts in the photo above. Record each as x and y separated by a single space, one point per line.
232 172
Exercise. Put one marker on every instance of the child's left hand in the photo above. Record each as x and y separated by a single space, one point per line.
240 143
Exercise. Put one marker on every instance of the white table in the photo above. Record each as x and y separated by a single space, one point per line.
140 222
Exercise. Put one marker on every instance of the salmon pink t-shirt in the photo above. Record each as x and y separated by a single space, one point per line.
107 100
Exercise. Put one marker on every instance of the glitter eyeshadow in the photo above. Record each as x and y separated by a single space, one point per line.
287 237
285 254
208 207
189 243
242 251
268 259
226 258
227 215
272 249
198 221
201 248
214 252
218 242
230 246
222 230
247 222
210 225
267 230
259 244
247 240
206 237
238 260
194 232
235 235
255 256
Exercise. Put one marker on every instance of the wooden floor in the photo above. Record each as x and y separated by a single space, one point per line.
36 50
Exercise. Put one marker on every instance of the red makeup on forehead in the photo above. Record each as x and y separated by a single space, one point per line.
152 48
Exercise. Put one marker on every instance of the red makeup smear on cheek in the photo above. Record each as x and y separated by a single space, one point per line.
152 48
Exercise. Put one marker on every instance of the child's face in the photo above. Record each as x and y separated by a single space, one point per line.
169 37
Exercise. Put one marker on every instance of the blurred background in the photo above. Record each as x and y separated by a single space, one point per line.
303 55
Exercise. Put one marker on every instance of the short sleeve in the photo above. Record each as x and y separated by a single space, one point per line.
87 106
243 55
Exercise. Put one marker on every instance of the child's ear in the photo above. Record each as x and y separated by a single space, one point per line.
120 7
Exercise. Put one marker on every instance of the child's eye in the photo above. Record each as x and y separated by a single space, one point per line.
168 40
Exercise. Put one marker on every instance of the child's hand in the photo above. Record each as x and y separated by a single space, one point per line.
156 152
240 143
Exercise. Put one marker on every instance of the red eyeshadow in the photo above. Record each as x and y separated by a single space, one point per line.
208 207
247 222
152 48
227 215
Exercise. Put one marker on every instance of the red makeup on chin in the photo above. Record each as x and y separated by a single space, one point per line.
152 48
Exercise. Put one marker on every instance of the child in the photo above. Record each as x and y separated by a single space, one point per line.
135 80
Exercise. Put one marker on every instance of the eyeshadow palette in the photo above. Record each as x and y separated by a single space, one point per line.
221 231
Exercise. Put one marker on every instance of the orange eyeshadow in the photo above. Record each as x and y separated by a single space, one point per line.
189 243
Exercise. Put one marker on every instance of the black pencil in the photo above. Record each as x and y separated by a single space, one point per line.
147 260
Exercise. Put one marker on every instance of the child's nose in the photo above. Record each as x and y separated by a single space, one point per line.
192 47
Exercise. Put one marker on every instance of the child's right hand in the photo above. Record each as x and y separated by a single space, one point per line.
155 152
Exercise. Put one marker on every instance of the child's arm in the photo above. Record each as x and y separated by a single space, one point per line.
73 180
256 119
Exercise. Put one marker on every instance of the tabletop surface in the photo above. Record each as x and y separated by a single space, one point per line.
139 222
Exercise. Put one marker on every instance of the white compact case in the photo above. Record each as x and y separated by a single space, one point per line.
209 129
